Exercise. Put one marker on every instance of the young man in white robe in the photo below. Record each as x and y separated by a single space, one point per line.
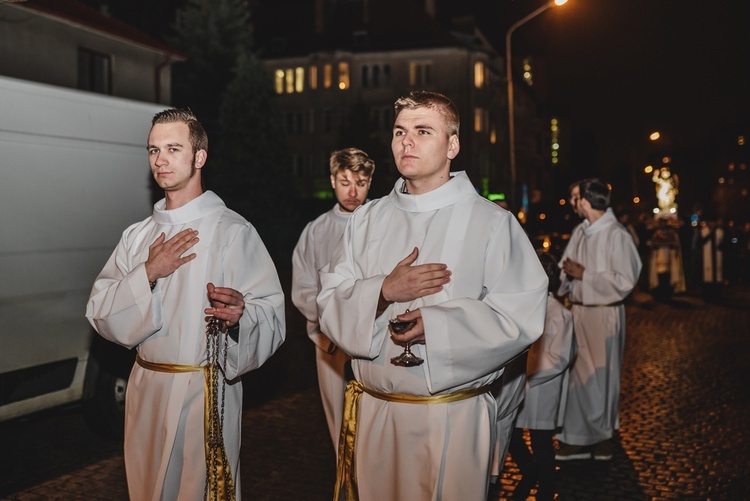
351 176
600 268
462 269
192 260
544 401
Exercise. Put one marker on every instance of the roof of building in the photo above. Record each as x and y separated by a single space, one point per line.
81 15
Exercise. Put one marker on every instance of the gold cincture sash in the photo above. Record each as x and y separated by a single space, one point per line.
346 475
219 474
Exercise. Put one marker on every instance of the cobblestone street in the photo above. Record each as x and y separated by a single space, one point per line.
684 414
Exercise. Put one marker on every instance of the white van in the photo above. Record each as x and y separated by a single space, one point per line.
73 174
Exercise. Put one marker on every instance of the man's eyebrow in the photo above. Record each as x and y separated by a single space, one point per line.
418 126
168 145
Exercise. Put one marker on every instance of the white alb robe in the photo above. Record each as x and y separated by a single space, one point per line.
312 252
492 309
164 429
612 266
547 371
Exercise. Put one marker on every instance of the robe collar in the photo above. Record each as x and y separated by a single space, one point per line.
207 203
604 222
459 187
342 214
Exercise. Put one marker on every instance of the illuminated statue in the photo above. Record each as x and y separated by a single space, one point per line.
666 190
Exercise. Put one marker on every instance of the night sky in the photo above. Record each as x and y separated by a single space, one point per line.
616 69
620 69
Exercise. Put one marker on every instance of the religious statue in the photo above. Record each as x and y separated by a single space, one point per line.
666 190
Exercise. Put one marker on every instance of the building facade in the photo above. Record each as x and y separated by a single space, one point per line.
351 57
68 44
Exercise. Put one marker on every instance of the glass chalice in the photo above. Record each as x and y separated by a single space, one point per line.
407 358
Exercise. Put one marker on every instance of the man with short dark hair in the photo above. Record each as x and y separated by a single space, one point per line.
600 268
200 313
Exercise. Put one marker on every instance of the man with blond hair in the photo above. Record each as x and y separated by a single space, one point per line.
351 175
461 271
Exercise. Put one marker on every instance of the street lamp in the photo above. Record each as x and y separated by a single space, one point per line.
509 77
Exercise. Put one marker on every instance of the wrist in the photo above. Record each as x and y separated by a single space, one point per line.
383 303
234 331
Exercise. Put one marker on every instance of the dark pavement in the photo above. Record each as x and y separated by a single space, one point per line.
684 422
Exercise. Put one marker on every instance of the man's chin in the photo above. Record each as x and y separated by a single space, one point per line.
349 207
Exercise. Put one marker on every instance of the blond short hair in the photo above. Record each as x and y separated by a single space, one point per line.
352 159
433 100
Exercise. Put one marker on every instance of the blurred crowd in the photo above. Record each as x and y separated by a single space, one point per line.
698 256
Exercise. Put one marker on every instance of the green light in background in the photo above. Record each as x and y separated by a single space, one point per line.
323 195
494 197
485 186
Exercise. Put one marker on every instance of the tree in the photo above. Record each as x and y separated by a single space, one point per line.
253 162
214 34
231 92
359 130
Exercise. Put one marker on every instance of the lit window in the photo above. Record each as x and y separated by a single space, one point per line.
289 78
493 136
299 79
477 119
327 76
478 74
343 75
313 77
278 81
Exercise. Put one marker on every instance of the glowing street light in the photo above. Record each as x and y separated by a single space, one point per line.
509 76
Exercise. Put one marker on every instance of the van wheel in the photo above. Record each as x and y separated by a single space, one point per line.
104 410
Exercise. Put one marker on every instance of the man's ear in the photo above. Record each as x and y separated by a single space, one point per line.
333 181
200 158
453 146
